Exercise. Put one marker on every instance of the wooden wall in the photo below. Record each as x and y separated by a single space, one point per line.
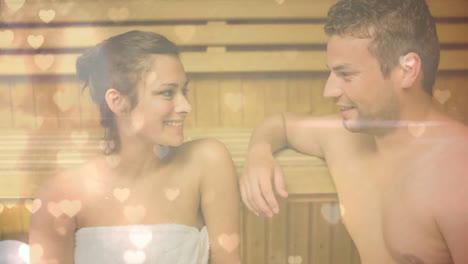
247 59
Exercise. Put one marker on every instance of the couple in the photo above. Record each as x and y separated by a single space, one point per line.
405 193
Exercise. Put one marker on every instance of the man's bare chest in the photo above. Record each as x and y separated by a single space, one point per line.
386 213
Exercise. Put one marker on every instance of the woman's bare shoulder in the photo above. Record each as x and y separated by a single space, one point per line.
204 150
67 183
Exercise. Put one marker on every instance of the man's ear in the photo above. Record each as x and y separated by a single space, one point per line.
117 102
410 65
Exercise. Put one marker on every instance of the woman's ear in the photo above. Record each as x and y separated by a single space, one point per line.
117 102
411 68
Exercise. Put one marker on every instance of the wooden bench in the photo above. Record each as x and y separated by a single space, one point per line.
28 158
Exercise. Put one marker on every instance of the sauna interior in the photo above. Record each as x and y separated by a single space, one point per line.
247 59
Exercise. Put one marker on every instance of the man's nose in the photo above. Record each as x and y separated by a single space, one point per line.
332 87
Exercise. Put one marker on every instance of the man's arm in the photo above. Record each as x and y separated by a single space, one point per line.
300 132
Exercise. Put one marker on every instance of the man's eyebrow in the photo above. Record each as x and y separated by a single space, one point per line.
340 67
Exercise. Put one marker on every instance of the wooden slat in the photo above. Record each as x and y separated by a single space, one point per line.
453 33
23 184
200 62
255 239
276 94
298 230
207 112
448 8
23 107
231 103
277 238
212 34
38 154
342 245
66 102
300 95
182 10
254 111
182 35
6 114
118 11
320 234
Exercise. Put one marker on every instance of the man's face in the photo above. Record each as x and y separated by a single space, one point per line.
367 101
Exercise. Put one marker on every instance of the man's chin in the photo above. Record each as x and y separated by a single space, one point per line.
352 126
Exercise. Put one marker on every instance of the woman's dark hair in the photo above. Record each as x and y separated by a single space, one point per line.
119 62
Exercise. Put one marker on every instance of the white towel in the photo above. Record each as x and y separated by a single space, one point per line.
135 244
13 252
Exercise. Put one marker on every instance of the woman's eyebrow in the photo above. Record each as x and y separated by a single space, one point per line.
175 84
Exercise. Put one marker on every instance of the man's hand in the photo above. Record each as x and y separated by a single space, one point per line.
256 183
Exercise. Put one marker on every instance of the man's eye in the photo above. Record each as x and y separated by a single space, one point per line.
345 74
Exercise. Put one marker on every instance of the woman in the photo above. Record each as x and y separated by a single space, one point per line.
140 202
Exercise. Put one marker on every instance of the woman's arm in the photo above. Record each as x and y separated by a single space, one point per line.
52 228
220 201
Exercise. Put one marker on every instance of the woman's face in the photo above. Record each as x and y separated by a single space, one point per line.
162 104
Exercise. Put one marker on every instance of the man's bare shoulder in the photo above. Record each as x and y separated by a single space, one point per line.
329 129
444 165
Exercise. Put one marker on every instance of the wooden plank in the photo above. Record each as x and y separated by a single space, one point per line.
211 34
448 8
276 94
341 245
11 218
298 233
23 107
300 95
22 184
6 114
320 105
180 10
254 108
450 33
320 242
277 236
200 62
232 102
185 10
46 110
66 98
255 239
207 112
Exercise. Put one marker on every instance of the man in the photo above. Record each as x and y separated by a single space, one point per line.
397 163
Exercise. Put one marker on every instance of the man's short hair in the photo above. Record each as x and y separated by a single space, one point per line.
396 28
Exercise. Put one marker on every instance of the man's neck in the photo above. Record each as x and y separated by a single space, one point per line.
417 121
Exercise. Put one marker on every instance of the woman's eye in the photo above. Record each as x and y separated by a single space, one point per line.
167 93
